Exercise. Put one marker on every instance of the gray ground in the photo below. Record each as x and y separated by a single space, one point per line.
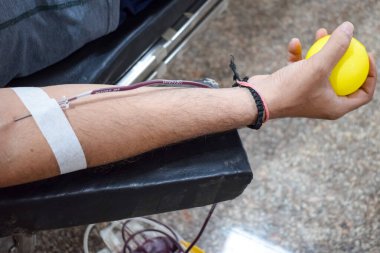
316 184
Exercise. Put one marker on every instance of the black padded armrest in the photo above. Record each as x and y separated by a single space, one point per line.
194 173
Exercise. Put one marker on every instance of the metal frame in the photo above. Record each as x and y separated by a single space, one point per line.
154 62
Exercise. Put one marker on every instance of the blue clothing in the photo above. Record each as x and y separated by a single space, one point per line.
37 33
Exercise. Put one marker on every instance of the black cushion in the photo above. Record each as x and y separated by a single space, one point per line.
202 171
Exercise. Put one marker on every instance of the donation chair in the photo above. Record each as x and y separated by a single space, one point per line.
193 173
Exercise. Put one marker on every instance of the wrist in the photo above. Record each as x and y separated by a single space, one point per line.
248 107
270 95
262 109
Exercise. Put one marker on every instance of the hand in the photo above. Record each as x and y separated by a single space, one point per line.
302 89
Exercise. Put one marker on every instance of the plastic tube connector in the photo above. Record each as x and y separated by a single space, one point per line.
64 103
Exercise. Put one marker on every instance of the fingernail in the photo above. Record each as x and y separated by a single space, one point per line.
292 41
348 28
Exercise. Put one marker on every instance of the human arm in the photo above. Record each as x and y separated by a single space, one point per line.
116 126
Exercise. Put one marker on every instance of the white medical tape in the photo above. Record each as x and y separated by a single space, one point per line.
55 127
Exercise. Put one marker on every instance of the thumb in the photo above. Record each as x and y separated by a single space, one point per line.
336 46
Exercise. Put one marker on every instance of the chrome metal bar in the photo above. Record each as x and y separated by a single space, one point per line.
161 70
167 47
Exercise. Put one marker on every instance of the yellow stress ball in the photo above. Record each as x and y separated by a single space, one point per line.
352 69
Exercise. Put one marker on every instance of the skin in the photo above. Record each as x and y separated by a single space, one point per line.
115 126
308 91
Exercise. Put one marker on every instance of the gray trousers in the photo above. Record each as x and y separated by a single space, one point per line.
37 33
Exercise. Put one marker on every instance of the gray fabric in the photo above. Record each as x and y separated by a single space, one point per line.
37 33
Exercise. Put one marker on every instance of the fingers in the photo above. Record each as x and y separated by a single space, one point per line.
322 32
369 85
372 66
366 91
335 48
368 88
295 46
361 96
294 50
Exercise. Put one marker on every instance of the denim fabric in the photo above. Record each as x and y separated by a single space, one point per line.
37 33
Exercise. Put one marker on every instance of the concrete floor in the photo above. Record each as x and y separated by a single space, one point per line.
316 185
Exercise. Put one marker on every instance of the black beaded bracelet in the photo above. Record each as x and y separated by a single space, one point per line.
260 108
259 104
258 100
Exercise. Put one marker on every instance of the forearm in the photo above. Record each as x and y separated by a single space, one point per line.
116 126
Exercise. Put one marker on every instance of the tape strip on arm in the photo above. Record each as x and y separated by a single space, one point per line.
55 127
